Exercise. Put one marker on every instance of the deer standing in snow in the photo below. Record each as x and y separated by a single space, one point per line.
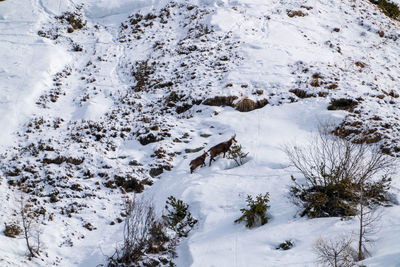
199 161
221 148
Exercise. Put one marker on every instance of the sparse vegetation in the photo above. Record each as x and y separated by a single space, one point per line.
220 101
256 213
145 235
73 19
142 230
60 180
296 13
142 72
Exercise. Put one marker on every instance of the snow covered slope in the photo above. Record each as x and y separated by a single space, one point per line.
100 98
26 65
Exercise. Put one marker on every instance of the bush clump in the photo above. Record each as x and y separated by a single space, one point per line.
342 104
246 105
146 235
335 171
334 199
256 213
129 183
73 19
12 230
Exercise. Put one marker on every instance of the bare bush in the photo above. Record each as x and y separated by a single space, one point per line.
140 229
335 253
143 234
334 169
368 226
30 227
146 236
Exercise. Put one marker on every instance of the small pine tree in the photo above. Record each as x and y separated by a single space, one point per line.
236 153
178 218
256 213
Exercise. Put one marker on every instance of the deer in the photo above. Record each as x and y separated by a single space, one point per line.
199 161
221 148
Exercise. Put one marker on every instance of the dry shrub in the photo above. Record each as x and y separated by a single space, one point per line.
358 133
301 93
298 13
342 104
12 230
220 101
246 105
148 139
73 19
129 183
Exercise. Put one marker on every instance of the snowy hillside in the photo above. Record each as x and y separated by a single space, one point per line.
102 100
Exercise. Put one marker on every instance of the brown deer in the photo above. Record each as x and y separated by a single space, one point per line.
221 148
199 161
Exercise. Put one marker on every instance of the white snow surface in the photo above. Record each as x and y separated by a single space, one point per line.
271 47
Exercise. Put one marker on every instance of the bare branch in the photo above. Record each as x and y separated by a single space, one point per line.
335 253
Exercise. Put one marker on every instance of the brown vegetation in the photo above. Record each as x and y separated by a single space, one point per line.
220 101
246 105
